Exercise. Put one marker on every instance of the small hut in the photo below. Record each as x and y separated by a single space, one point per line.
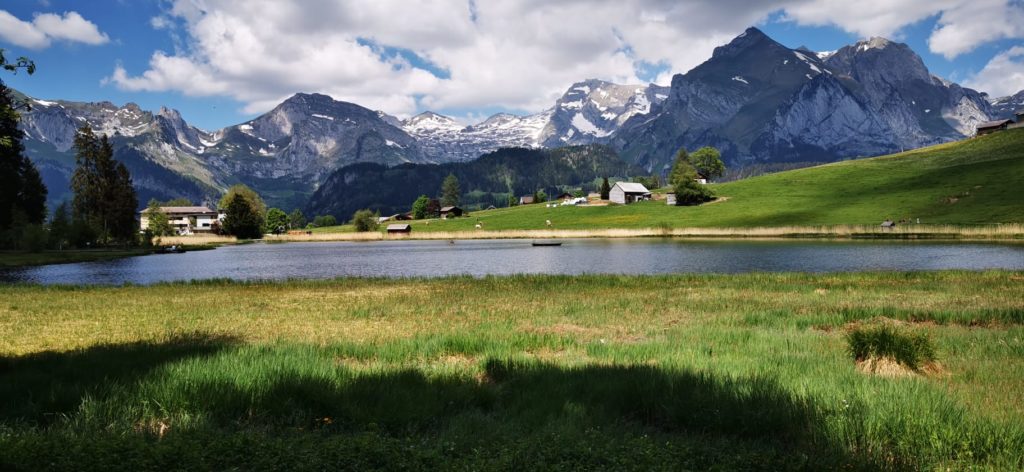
451 212
396 228
990 127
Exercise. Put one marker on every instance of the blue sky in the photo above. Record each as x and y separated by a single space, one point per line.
221 62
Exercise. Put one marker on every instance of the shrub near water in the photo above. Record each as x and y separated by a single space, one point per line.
912 350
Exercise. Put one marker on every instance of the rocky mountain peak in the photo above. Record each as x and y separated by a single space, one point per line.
750 38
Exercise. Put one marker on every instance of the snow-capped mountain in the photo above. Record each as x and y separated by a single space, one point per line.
592 110
1008 106
760 101
442 139
588 112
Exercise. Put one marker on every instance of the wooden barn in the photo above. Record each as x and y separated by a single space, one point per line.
628 192
451 212
403 228
990 127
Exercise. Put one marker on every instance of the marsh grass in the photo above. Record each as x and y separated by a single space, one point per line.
665 229
744 372
879 341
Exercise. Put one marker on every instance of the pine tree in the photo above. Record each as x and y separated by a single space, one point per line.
606 189
104 195
680 168
450 192
22 193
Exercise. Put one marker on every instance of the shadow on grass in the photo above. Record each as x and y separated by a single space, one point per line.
515 414
39 388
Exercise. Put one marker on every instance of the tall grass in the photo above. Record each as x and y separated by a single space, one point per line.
594 372
912 350
981 232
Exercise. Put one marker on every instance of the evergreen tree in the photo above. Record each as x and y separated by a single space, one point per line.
680 168
606 189
419 207
178 202
104 195
296 219
60 227
450 192
22 193
246 213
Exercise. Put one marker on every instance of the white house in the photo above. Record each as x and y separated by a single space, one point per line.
628 192
185 220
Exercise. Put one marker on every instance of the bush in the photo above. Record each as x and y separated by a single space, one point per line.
365 220
323 221
691 192
910 349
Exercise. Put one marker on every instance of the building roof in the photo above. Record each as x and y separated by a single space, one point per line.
185 209
400 227
450 208
993 124
632 187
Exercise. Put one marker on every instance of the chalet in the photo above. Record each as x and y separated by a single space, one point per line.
450 212
396 228
185 220
402 217
990 127
526 200
628 192
565 196
1020 119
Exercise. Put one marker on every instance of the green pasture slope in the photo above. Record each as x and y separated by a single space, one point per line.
975 181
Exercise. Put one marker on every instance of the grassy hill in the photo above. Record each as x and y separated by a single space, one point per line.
975 181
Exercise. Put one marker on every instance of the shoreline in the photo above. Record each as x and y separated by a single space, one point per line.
1010 232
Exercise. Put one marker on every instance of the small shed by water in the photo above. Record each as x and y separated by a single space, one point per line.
403 228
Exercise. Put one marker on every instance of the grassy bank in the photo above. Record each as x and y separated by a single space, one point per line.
966 183
670 372
21 259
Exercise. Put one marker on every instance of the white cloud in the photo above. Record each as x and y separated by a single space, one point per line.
971 24
1003 75
47 27
491 53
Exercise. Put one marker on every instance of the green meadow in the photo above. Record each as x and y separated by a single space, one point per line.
742 372
971 182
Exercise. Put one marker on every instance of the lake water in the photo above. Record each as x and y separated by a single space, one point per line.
499 257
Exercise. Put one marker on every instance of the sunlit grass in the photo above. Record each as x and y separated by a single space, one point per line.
690 371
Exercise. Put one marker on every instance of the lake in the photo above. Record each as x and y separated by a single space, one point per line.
323 260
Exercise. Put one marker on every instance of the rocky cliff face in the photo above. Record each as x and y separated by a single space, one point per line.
1007 107
761 102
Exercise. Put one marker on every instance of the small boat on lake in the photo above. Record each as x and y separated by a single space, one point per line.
170 250
546 243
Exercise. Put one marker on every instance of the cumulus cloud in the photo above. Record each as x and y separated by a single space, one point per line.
963 28
405 56
1003 75
47 27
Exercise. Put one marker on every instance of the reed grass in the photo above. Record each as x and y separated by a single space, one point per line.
623 372
952 232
